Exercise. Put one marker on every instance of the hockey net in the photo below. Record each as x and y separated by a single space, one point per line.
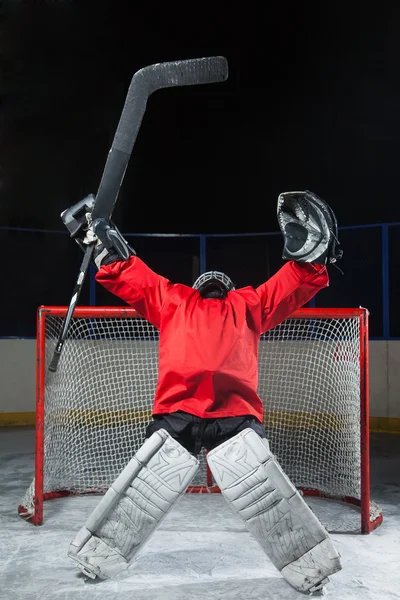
91 414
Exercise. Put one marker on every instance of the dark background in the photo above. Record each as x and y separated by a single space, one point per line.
312 102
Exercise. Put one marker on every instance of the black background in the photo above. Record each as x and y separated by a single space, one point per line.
312 102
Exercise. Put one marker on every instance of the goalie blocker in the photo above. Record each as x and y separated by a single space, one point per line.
256 488
110 245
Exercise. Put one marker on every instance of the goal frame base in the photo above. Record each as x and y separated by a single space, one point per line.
372 524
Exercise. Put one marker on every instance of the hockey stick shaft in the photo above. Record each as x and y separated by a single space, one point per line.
74 300
197 71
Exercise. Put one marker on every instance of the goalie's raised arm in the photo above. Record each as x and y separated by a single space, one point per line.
309 228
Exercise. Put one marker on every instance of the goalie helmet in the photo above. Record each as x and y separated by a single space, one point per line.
309 228
213 284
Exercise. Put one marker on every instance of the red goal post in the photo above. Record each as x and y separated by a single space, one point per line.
92 413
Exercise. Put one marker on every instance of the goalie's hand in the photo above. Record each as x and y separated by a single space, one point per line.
309 228
110 244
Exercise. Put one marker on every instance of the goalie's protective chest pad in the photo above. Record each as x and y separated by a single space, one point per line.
309 228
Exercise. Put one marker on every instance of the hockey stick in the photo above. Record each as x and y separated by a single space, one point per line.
196 71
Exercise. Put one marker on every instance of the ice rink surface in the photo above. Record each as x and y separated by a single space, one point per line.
201 550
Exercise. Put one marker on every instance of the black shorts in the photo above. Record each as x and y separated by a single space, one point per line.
195 433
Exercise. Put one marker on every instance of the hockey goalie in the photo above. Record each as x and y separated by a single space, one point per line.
206 397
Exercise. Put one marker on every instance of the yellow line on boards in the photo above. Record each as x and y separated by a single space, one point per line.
99 418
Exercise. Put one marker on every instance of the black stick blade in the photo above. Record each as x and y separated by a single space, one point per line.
194 71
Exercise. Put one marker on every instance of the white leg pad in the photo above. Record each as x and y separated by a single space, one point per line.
253 483
133 506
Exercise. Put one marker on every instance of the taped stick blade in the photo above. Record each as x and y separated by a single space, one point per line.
195 71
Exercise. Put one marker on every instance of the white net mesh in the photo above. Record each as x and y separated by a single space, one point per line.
98 403
309 380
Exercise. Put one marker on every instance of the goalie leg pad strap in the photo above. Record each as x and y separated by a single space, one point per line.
134 506
253 483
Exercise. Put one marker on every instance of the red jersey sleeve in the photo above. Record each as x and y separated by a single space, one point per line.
135 283
289 289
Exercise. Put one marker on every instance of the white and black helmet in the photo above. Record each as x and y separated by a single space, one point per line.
214 284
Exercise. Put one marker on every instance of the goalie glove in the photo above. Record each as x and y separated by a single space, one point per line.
111 246
309 228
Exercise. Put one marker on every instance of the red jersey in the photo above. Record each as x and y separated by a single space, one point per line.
208 347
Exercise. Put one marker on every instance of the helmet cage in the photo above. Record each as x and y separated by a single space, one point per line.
214 280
